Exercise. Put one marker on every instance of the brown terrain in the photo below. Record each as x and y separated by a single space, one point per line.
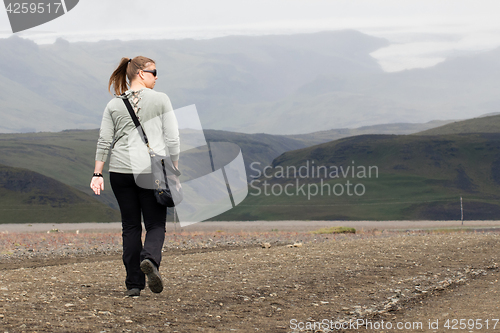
221 279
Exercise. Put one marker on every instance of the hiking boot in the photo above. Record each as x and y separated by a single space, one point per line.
154 279
133 292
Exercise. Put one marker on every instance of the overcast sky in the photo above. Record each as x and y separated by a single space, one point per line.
423 32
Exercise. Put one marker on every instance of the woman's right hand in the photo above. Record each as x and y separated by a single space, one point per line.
97 185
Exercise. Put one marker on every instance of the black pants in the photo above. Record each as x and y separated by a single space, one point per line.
134 201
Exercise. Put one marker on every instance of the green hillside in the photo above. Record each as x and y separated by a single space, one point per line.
487 124
418 176
27 196
66 156
412 177
259 149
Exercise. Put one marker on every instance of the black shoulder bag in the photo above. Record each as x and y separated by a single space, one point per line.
168 191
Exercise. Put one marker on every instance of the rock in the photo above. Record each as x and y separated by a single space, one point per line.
266 245
105 313
297 245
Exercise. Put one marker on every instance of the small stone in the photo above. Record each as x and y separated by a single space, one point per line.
68 305
178 300
106 313
297 245
266 245
128 321
289 245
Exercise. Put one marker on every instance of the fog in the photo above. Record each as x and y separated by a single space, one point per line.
422 33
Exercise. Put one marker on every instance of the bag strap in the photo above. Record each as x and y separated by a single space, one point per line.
136 121
173 170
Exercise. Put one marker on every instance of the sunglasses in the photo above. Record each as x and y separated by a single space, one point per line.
154 71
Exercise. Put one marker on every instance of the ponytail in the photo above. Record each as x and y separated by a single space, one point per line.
127 68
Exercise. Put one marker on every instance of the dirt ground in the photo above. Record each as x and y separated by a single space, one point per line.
413 281
257 226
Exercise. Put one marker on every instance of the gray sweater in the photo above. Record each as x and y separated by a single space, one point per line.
119 135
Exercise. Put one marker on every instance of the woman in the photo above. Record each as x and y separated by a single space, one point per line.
118 134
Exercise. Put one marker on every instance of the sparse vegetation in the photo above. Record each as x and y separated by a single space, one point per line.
335 230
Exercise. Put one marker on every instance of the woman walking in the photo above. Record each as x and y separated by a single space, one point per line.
154 112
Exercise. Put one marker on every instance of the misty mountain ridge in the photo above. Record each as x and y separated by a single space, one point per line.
281 84
483 124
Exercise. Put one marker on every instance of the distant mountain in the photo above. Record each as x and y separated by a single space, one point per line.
280 84
311 139
27 196
485 124
49 88
380 177
64 85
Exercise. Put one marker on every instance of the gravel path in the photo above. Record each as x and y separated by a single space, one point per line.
218 282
